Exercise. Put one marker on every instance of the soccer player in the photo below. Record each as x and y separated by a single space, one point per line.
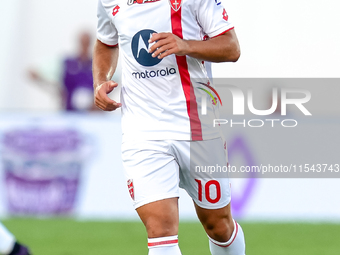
165 132
8 245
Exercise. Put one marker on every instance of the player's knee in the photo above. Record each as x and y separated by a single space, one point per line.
219 230
161 229
161 232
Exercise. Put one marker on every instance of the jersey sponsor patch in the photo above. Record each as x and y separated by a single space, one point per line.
140 48
154 73
131 2
175 4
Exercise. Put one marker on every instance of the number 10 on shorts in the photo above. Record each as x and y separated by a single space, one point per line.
207 188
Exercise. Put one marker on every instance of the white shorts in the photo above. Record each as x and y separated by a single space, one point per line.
156 169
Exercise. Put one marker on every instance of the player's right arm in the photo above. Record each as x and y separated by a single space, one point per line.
105 60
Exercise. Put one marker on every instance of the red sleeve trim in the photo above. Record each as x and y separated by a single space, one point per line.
223 32
110 45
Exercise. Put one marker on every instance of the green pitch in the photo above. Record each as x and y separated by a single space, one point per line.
69 237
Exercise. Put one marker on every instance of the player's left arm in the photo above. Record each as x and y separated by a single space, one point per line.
223 48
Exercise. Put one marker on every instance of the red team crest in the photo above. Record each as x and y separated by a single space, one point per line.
131 189
175 4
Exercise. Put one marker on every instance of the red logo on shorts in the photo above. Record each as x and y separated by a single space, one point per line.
115 10
131 189
175 4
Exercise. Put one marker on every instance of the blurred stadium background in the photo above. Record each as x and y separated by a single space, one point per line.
62 189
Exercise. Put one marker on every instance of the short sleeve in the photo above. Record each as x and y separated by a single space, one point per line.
213 17
106 31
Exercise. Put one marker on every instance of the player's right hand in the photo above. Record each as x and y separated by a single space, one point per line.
101 98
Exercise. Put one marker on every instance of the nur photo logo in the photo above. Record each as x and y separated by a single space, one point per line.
242 103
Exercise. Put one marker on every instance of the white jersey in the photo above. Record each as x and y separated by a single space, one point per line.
161 98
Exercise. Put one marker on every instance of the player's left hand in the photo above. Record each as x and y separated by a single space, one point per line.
166 44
